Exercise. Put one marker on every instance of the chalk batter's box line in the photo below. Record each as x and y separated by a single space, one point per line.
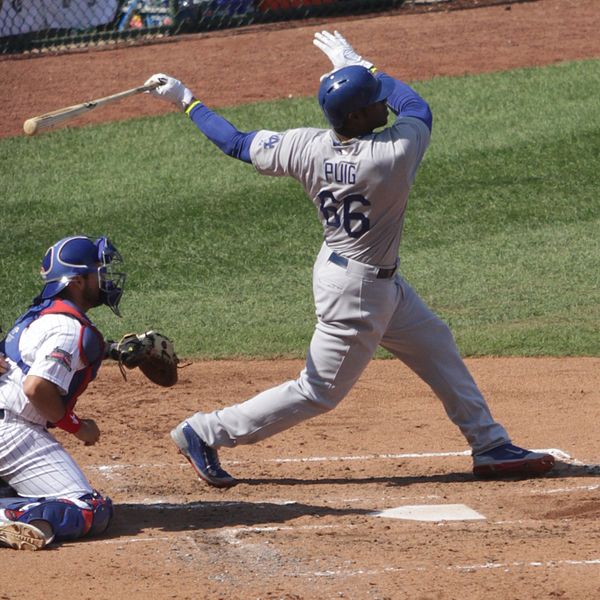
510 566
557 453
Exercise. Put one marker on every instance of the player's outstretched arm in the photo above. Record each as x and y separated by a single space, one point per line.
403 101
217 129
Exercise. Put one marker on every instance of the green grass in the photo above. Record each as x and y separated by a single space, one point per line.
501 237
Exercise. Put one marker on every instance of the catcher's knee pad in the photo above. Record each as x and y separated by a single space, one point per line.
102 512
69 519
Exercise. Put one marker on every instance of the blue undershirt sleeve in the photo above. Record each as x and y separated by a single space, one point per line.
405 102
222 133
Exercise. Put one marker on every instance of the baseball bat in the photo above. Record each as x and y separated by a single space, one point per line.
45 121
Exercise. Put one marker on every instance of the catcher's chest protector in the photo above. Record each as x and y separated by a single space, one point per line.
91 343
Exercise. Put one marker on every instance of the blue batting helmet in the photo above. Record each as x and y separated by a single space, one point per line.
349 89
79 255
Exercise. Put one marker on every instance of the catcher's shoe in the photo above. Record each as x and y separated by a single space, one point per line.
511 461
25 536
203 458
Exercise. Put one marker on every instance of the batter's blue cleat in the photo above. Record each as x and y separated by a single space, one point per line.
203 458
511 461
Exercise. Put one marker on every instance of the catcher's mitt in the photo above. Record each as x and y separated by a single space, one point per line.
152 352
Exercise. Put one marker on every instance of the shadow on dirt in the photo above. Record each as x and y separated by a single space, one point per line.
565 469
399 481
132 519
561 470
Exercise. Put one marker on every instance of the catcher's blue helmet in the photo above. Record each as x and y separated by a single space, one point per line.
79 255
349 89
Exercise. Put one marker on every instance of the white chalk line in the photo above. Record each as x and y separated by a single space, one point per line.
557 453
461 568
231 534
137 540
576 488
169 504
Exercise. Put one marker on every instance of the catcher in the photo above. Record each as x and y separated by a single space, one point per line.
51 354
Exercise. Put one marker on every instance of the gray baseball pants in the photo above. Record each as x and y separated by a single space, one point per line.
357 312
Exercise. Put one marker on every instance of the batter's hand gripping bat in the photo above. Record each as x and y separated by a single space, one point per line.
35 124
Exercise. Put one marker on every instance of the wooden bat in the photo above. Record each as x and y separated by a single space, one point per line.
33 125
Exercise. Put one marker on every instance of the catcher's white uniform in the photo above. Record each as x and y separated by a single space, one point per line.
32 461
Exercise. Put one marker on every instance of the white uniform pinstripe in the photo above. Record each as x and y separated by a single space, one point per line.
32 461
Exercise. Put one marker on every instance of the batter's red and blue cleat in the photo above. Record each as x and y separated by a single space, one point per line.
511 461
203 458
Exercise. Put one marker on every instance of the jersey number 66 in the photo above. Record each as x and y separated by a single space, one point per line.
355 223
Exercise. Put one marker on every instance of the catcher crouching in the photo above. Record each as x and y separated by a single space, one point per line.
52 352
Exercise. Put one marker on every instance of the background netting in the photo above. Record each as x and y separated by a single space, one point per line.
36 25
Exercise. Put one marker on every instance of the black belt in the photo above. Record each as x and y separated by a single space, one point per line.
343 262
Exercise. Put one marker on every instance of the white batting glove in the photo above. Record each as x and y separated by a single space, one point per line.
171 90
338 50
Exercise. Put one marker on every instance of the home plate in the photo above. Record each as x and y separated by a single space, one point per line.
431 512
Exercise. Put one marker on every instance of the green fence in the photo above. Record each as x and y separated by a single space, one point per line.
38 25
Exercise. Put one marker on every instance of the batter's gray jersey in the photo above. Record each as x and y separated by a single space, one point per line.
360 188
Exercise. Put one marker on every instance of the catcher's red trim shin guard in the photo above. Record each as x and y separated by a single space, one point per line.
69 519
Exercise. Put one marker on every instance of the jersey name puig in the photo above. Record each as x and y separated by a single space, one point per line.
343 172
342 210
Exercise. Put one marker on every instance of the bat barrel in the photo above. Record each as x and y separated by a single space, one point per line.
45 121
30 126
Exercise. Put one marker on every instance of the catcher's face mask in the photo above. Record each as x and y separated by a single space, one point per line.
79 255
110 278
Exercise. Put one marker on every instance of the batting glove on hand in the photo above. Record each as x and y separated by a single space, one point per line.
171 90
338 50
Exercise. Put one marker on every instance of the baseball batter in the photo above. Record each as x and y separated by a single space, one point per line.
52 353
358 176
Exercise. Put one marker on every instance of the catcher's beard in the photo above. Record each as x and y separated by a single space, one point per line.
91 293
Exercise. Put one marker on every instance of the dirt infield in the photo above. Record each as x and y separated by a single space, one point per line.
301 524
